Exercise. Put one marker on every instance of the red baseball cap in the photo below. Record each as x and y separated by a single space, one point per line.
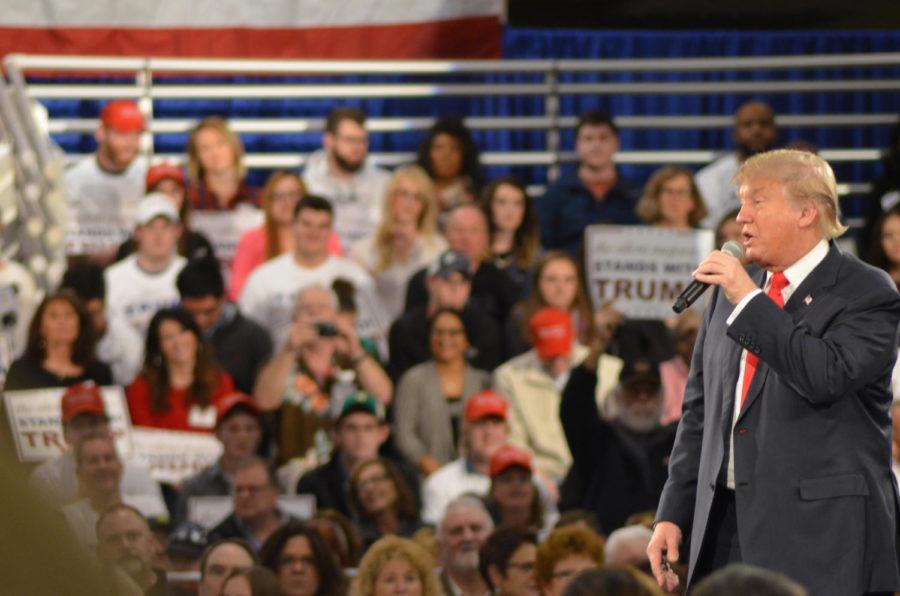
122 115
232 401
484 404
162 171
82 398
551 332
507 457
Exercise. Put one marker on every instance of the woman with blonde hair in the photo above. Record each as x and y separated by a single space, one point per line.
671 199
406 238
396 565
215 167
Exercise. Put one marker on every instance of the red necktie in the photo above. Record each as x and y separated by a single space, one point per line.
779 282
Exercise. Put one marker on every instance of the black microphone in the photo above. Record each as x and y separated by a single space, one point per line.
696 288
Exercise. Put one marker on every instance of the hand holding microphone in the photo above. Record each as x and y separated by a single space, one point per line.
721 268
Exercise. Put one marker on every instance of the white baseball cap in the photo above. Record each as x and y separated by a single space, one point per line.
153 205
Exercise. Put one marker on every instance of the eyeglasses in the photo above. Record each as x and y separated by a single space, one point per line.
525 567
365 482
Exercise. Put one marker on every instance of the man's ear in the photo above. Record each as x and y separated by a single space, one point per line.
809 214
383 433
328 141
100 135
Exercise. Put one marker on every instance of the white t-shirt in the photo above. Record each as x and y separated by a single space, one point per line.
448 482
270 294
356 200
718 192
101 205
122 348
133 295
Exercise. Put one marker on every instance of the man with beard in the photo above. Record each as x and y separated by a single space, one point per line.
107 185
595 193
341 173
124 540
463 529
754 132
619 466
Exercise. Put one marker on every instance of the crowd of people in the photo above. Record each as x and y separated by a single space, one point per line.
415 349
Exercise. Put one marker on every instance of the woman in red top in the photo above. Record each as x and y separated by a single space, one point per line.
180 383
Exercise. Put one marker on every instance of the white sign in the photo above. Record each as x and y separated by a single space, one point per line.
224 229
35 418
210 511
642 269
173 455
89 236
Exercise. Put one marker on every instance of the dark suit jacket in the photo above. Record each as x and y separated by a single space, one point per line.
814 491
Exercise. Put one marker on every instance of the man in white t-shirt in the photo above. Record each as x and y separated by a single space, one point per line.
341 173
144 282
270 294
103 189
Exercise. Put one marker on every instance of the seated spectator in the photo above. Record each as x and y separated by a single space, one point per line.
241 345
381 502
449 286
215 167
124 541
628 546
302 562
493 292
674 372
168 180
255 581
339 534
109 183
483 431
405 240
99 472
739 579
671 200
515 238
60 348
318 367
595 193
341 173
118 344
506 562
513 499
144 282
359 431
460 534
84 413
431 395
395 565
180 384
450 156
256 515
533 385
754 132
566 552
219 560
275 237
620 465
884 251
885 193
556 284
239 429
270 294
612 581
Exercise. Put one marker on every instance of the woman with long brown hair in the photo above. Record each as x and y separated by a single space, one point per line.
216 167
381 501
515 241
180 383
60 348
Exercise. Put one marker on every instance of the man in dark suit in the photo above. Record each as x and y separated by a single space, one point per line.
782 457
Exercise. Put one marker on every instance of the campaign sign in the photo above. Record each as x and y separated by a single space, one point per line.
173 455
641 270
36 424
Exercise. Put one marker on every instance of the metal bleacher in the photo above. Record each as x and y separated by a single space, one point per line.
522 112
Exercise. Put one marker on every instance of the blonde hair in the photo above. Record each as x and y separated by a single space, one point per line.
426 226
392 548
805 177
194 167
648 206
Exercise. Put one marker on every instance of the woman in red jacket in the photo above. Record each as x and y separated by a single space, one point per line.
180 383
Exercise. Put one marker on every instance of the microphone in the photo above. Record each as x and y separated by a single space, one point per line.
696 288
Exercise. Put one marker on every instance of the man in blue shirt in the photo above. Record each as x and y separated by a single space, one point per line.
595 193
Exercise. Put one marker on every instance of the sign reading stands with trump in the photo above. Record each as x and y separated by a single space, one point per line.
641 270
36 425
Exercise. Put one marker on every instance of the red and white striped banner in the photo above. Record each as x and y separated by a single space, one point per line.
303 29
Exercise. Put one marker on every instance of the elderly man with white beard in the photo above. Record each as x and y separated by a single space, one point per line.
619 463
463 529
